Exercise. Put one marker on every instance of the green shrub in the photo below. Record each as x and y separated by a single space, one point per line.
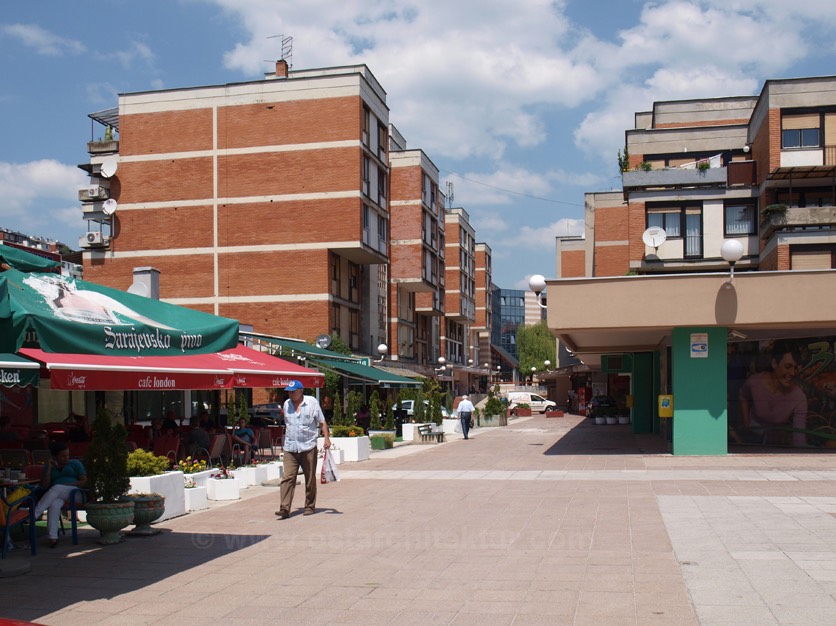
144 463
340 430
107 459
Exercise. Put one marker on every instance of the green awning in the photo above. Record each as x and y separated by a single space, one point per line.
26 261
16 371
368 374
66 315
291 348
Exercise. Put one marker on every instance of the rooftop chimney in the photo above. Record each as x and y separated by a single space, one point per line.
281 68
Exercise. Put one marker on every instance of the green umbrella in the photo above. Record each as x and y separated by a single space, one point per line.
61 314
25 261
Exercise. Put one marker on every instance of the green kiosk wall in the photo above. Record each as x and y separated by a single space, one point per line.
699 391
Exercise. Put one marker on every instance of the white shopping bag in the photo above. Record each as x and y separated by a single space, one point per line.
330 473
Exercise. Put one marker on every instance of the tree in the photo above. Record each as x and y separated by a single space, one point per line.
352 405
339 416
374 410
494 405
535 345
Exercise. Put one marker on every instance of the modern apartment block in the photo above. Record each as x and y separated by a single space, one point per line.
748 182
483 322
758 169
417 271
265 201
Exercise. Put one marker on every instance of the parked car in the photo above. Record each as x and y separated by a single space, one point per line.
269 414
409 407
538 404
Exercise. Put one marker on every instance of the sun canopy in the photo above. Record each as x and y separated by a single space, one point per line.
257 369
368 374
237 367
18 372
61 314
24 261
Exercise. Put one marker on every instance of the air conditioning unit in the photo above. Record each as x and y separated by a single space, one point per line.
93 192
94 239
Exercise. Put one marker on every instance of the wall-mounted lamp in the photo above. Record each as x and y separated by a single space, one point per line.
382 349
547 363
732 252
537 284
746 148
441 365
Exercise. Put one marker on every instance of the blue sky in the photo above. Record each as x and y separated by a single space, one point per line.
522 104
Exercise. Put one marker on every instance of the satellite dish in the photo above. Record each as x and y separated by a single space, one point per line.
654 236
108 168
109 206
139 289
323 341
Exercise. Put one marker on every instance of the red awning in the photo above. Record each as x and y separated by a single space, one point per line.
259 369
237 367
93 372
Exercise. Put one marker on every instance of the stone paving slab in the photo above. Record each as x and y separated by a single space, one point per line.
550 521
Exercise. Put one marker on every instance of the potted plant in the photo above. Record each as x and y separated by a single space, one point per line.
107 479
522 409
148 507
774 213
222 485
353 442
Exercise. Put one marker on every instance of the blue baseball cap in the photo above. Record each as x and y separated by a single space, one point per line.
294 385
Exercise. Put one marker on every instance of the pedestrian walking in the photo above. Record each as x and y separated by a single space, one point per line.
465 415
303 419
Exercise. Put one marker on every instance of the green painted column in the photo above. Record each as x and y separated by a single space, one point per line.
700 424
643 398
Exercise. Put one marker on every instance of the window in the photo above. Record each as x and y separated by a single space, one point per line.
800 131
381 142
365 217
335 319
366 170
366 118
381 187
693 233
740 218
381 228
669 219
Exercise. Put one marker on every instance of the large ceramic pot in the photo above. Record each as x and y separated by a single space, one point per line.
147 510
109 518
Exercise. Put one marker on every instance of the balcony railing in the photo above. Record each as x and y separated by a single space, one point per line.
675 177
798 217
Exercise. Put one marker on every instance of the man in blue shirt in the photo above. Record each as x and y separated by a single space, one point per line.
303 418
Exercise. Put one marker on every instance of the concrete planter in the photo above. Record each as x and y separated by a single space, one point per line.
260 474
246 475
196 499
274 470
410 432
554 413
169 485
226 489
200 478
451 425
353 448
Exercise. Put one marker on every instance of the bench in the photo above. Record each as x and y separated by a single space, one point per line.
429 432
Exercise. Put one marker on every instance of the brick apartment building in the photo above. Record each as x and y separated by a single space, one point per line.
417 270
264 201
288 203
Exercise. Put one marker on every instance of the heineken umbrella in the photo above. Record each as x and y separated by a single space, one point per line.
60 314
18 372
24 261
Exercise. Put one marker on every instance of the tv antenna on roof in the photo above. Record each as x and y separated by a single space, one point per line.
449 194
287 49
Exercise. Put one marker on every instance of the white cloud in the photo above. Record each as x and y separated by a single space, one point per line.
543 237
42 41
40 193
136 52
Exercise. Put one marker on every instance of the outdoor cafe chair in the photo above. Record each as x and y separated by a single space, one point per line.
217 451
70 508
39 457
168 446
13 513
264 441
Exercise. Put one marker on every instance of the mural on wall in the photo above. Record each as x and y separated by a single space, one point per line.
783 392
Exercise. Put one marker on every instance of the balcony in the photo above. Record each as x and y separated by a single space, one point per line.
798 218
108 146
674 178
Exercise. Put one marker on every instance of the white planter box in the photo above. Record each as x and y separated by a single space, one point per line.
226 489
200 478
353 448
168 485
260 474
246 475
410 432
449 425
274 470
600 420
337 454
196 499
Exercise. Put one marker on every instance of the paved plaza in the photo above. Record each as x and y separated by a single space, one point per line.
546 521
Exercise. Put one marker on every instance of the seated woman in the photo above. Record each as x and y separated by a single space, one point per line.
245 437
61 475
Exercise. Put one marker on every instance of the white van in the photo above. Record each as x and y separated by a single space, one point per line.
408 406
538 404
